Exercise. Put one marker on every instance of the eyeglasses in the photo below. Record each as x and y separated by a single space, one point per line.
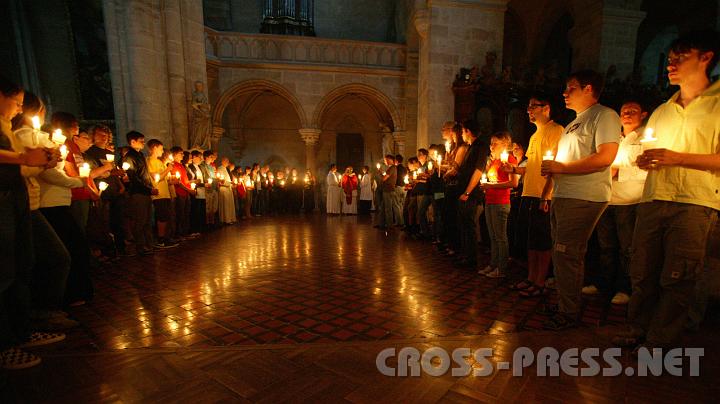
678 59
533 106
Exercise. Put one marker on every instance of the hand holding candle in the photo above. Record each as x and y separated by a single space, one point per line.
483 179
548 155
84 170
58 138
102 185
504 156
649 141
125 166
110 158
63 152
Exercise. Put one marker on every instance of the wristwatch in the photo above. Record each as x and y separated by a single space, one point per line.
467 193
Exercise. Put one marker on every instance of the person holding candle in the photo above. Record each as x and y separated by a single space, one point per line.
679 203
183 191
399 191
389 179
197 204
470 172
226 206
333 199
366 192
581 174
452 133
211 188
536 195
616 225
160 199
423 194
16 233
497 203
140 189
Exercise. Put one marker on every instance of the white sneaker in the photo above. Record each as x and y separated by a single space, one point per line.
620 298
590 290
486 270
495 273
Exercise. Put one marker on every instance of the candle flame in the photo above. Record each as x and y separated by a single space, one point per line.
36 122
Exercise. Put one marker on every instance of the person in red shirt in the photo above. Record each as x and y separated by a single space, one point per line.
183 190
497 186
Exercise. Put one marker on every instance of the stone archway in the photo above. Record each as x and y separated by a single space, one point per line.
253 86
374 96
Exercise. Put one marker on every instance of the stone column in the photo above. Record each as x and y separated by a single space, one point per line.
310 136
453 34
215 135
606 35
154 60
399 139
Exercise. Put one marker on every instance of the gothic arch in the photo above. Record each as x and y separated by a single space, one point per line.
252 86
371 95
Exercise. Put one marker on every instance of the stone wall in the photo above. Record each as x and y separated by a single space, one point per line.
153 51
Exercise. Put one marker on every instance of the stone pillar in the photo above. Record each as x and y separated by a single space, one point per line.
215 135
606 35
310 136
453 34
399 139
156 53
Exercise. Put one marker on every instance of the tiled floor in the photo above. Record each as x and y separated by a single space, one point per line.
233 315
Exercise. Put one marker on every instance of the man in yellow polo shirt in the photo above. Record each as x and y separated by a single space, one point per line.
680 199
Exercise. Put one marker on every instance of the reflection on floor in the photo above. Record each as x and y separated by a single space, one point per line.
299 308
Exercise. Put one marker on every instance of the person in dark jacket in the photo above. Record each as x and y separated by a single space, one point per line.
139 188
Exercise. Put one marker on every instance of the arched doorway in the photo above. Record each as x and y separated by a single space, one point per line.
261 121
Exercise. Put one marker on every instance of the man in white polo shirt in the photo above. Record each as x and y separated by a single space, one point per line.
582 187
680 199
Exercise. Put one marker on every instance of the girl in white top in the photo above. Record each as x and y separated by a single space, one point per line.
334 192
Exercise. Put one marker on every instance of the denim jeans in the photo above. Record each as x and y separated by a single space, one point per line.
615 233
496 217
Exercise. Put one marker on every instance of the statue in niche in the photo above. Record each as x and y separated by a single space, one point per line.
201 119
488 71
388 142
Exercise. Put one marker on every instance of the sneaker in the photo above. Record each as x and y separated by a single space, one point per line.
16 358
486 270
590 290
495 273
42 338
165 244
620 298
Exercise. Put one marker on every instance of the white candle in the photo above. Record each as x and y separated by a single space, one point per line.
406 180
171 158
378 166
248 183
126 166
102 186
35 122
649 141
110 158
430 165
63 151
282 183
210 181
504 156
447 146
58 137
483 179
157 177
177 174
85 170
193 185
548 155
414 175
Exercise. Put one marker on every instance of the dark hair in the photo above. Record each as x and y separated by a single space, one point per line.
589 78
153 143
390 157
207 153
176 150
413 160
399 158
195 153
31 106
637 101
9 88
424 152
472 126
134 135
703 40
99 127
504 136
543 97
333 165
63 120
366 168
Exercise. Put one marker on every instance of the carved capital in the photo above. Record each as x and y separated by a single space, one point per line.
421 19
310 136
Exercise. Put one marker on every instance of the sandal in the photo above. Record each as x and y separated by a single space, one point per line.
533 291
522 285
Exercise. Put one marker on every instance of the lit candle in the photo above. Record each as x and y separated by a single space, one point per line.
157 177
504 156
439 161
294 179
110 158
414 175
430 165
649 140
548 155
35 122
193 185
447 146
248 183
483 179
171 158
63 151
407 179
85 170
209 181
102 185
282 183
235 181
58 137
126 166
177 174
378 166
